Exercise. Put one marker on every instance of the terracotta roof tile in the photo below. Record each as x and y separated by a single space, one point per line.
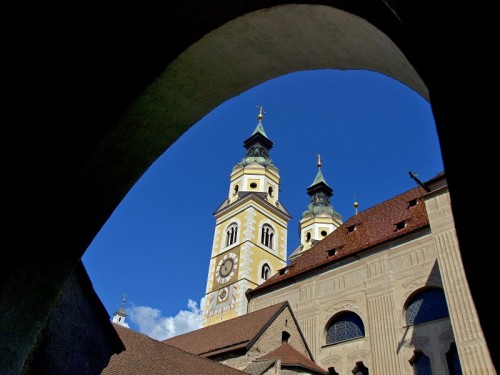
259 367
369 228
292 358
228 335
144 355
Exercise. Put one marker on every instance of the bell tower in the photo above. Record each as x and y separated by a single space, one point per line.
250 239
320 219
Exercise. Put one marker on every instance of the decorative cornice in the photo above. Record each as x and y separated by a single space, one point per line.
359 355
331 360
340 306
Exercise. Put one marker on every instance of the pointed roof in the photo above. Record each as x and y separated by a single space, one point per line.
260 128
320 194
290 357
121 310
258 146
146 356
397 217
319 178
229 335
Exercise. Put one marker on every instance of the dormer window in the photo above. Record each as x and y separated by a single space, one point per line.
352 228
334 251
401 225
412 203
284 270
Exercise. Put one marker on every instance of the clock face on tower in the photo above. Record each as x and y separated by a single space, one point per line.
226 268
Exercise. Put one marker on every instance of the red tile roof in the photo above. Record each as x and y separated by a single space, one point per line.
292 358
146 356
369 228
229 335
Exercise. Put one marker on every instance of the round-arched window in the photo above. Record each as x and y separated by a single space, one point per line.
345 326
425 306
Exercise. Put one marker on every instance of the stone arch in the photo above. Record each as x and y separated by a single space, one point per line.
116 125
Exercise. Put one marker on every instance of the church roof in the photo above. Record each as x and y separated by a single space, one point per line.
259 367
229 335
387 221
144 355
290 357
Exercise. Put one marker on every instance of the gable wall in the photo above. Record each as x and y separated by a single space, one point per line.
270 340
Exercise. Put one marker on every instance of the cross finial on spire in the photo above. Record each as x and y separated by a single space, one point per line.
319 160
261 112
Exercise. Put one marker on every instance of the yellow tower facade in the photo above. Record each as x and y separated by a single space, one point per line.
250 239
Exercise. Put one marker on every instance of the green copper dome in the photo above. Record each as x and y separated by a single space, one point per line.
320 205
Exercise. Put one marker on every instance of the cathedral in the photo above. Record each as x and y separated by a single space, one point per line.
382 293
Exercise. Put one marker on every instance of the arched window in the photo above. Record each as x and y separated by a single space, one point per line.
265 272
270 191
345 326
267 236
231 234
426 306
360 369
421 364
454 366
285 336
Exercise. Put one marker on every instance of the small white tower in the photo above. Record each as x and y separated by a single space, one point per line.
120 314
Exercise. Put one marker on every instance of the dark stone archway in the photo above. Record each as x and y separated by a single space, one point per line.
104 89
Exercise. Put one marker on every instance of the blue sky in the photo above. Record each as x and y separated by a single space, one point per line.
369 129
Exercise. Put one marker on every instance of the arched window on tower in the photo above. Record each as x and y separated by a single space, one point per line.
308 236
265 272
267 236
231 234
344 327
